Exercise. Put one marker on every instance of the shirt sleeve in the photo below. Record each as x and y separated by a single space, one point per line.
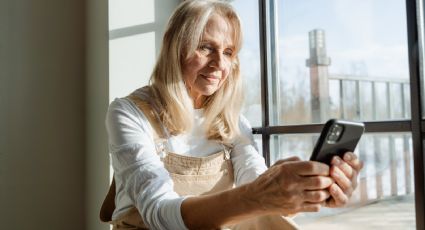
136 164
248 164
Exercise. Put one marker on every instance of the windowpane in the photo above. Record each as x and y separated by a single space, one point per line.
341 59
385 185
250 59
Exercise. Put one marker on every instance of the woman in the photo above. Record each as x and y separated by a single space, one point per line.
184 157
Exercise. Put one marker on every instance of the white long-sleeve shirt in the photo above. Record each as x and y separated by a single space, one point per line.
140 177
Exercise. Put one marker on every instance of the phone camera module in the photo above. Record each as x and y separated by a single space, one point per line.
334 134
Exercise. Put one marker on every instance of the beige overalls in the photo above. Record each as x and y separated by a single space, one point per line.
191 176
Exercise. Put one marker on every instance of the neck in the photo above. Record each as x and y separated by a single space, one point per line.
198 102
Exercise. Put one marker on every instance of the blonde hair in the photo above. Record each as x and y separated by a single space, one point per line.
181 39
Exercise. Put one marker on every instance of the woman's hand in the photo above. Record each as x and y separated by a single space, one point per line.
290 186
344 172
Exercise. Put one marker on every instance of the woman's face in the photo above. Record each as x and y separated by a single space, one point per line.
205 71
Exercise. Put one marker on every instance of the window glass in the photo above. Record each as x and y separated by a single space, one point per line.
341 59
250 59
385 185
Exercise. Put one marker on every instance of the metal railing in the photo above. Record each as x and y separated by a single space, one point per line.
386 165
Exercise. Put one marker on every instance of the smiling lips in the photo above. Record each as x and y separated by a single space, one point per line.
210 78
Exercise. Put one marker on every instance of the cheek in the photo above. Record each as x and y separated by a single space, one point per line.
188 72
191 68
225 77
229 69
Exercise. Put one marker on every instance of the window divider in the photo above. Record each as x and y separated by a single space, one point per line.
418 137
263 15
370 127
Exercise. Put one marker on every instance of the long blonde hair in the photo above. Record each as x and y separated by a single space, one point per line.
181 39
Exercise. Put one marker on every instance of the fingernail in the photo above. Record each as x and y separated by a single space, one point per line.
337 161
348 157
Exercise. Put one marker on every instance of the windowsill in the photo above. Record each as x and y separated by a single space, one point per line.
392 213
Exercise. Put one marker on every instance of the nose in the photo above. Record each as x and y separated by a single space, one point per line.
217 61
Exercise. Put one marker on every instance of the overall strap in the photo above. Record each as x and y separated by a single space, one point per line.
145 96
108 205
151 115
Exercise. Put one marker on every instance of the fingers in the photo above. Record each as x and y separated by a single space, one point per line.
343 166
310 168
342 180
351 159
310 207
344 172
339 198
316 182
305 207
318 196
350 167
310 201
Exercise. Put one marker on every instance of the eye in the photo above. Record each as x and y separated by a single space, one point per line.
205 48
228 52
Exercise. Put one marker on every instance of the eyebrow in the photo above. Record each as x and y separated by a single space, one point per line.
215 44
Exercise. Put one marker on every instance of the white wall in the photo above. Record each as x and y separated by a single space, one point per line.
135 30
54 92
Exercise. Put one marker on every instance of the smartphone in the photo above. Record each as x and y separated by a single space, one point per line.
337 137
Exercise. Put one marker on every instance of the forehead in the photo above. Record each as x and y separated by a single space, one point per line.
219 30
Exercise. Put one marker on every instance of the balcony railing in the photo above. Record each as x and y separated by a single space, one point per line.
388 157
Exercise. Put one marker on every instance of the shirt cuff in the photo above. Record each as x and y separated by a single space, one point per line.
171 210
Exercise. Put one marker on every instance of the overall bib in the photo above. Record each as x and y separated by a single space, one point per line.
191 176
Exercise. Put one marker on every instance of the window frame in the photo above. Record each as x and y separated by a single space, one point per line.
415 125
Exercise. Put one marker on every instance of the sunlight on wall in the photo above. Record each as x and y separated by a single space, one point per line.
131 60
129 13
135 30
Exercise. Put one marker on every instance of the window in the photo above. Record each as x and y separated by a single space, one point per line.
355 60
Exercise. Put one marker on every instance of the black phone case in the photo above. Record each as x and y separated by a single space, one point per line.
350 136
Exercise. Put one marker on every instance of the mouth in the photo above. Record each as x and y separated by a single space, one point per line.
210 78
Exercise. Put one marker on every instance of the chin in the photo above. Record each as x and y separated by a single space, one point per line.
208 91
